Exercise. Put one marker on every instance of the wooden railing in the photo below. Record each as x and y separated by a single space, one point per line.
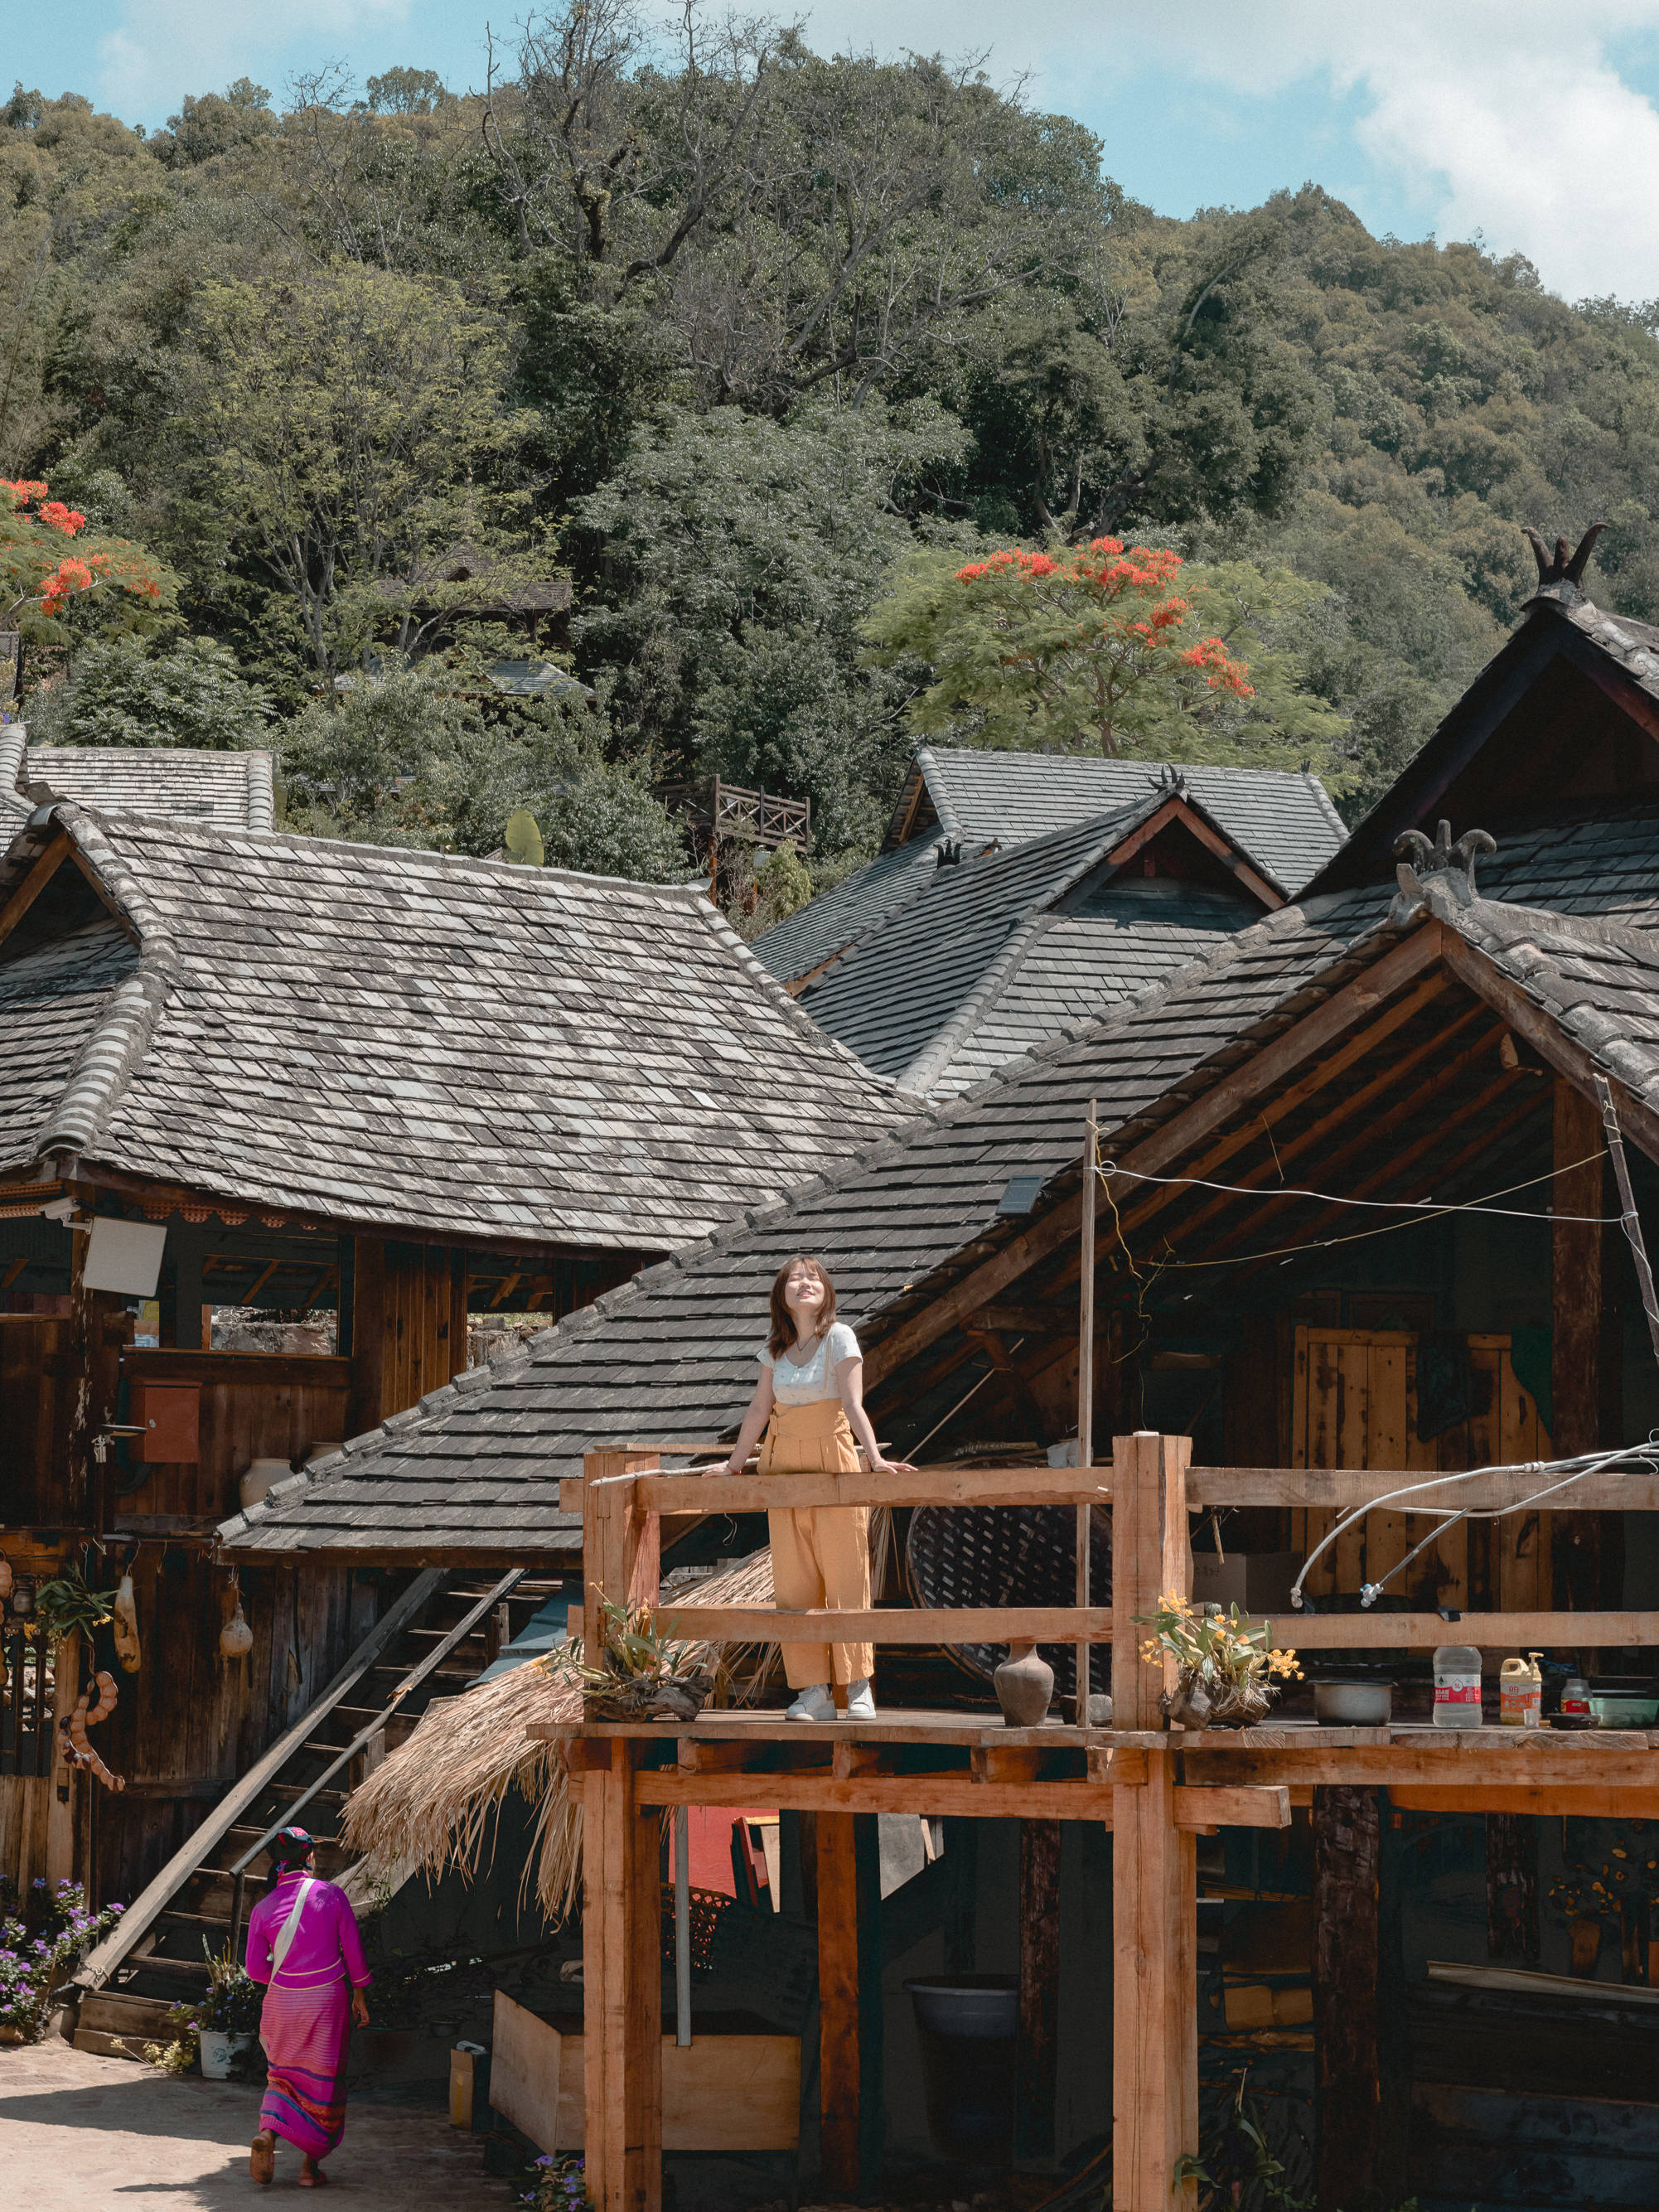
624 1497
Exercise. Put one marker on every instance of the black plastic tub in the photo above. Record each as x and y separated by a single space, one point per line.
968 2025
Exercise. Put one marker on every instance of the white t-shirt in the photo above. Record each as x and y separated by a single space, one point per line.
814 1380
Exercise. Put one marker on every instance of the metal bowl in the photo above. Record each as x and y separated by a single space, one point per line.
1353 1704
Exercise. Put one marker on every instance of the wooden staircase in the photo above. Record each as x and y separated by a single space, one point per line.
438 1637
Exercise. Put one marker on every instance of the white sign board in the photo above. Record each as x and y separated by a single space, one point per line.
124 1256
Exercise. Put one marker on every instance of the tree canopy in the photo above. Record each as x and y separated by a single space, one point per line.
763 351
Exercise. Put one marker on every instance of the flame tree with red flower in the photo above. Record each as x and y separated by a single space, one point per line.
47 589
1120 649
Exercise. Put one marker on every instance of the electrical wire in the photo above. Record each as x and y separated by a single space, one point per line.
1389 1205
1571 1471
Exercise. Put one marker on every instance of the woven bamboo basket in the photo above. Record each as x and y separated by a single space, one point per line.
1010 1555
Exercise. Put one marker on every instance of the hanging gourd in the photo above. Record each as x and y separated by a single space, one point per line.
5 1579
77 1752
125 1627
236 1638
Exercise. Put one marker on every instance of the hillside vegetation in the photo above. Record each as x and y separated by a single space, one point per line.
754 346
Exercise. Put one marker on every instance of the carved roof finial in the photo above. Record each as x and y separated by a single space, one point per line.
1563 566
1425 868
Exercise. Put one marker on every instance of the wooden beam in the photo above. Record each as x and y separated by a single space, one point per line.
908 1625
25 893
942 1796
1037 2051
1341 1488
1577 1156
1171 1140
621 1540
1422 1631
1511 1887
1347 1859
622 1990
368 1406
838 2003
1534 1800
1464 1761
1206 1810
940 1486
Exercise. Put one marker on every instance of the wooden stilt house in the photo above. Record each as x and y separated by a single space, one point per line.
1358 1231
382 1092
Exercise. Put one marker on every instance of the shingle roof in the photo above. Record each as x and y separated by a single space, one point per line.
409 1039
1283 821
231 790
994 955
669 1358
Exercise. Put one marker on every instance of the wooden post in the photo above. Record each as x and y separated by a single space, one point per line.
368 1406
66 1783
98 1328
1085 1391
1346 1858
621 1990
622 1891
1154 1865
1575 1337
1039 1989
1511 1886
872 1961
838 2003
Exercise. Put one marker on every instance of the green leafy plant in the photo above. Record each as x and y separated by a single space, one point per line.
231 2006
641 1669
1214 1648
560 2185
66 1603
39 1945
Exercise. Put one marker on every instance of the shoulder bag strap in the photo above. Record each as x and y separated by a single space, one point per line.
290 1926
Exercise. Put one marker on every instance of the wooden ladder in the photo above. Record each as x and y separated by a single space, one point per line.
433 1641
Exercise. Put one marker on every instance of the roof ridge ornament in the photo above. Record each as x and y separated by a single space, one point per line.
1442 868
1563 565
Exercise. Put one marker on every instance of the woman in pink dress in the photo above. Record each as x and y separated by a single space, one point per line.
302 1941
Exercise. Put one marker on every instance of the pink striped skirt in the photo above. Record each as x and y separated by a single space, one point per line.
306 2034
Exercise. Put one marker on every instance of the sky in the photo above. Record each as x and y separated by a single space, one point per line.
1535 129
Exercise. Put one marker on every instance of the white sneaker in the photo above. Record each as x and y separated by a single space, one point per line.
861 1702
813 1703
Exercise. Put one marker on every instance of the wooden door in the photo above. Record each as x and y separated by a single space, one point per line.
1354 1404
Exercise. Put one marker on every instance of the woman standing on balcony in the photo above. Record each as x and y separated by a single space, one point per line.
810 1401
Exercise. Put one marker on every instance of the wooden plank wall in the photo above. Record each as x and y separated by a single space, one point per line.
33 1411
424 1323
1355 1405
24 1809
253 1405
191 1720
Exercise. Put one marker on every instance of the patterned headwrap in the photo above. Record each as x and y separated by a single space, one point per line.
290 1847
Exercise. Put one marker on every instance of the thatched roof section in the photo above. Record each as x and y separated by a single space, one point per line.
431 1806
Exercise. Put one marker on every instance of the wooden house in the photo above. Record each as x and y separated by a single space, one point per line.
382 1090
1357 1227
962 803
181 783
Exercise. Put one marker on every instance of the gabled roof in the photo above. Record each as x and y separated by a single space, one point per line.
1567 712
231 790
906 1228
1282 821
406 1039
991 956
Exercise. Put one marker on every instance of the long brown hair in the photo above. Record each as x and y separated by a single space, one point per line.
783 1322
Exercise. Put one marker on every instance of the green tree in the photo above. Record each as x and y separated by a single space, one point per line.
343 419
1122 650
121 693
403 761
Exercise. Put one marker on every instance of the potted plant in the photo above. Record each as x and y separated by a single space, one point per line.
641 1674
1225 1670
221 2024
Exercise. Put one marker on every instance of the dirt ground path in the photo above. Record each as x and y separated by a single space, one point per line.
83 2134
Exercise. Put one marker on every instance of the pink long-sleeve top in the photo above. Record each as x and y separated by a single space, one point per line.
326 1946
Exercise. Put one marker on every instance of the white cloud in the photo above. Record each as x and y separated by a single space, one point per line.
162 49
1503 116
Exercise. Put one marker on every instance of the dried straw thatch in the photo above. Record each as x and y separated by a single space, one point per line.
432 1805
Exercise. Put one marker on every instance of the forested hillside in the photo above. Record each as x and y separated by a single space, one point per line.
758 349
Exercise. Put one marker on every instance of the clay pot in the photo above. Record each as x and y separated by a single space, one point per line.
257 1479
1024 1683
236 1638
